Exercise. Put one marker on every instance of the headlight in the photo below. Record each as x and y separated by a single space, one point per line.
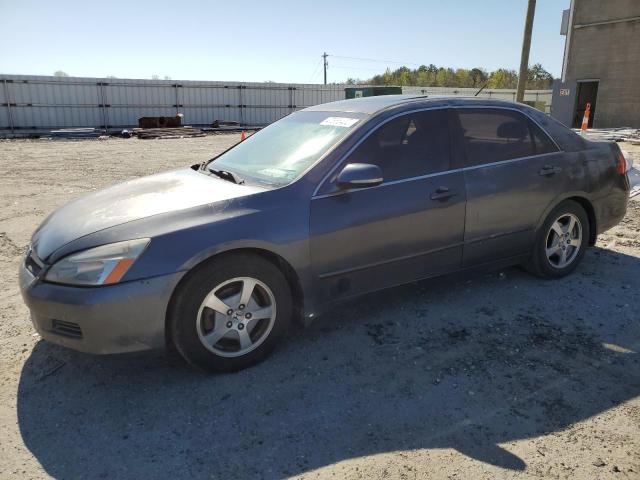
102 265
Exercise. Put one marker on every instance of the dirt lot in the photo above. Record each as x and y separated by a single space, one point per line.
485 375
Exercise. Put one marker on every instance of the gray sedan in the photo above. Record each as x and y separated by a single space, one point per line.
330 202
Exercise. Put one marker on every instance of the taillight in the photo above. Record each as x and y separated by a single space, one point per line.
623 162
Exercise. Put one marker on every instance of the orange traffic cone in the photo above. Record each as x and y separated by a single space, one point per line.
585 119
243 136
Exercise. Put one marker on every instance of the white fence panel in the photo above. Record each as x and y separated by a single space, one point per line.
36 103
4 116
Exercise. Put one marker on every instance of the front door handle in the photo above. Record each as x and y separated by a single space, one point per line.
549 170
442 193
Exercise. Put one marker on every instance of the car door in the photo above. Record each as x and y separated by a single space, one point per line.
513 171
408 227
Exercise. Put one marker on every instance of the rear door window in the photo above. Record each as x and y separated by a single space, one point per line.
494 135
409 146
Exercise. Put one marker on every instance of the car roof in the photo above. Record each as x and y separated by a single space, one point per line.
372 105
363 105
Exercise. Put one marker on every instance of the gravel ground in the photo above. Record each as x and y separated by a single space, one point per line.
484 375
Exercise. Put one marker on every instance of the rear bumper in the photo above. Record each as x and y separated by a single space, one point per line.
612 208
120 318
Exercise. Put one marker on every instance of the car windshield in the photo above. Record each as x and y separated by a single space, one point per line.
279 153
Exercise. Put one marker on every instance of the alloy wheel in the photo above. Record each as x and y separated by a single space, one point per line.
236 316
564 239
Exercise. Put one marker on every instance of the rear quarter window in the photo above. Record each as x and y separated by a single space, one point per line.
567 139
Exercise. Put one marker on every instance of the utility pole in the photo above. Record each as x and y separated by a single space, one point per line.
526 46
326 64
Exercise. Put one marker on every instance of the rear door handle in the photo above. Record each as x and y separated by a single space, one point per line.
442 193
549 170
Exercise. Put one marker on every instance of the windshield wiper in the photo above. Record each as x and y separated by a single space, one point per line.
226 175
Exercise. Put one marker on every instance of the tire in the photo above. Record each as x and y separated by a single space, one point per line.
552 266
218 341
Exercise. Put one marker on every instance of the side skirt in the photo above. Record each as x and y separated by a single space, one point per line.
488 266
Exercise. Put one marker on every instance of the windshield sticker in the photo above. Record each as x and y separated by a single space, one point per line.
339 122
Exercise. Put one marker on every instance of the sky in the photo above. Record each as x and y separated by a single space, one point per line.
271 40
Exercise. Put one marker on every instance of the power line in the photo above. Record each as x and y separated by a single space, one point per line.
325 55
313 75
354 67
363 59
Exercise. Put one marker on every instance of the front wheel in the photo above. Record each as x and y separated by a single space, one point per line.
561 242
230 313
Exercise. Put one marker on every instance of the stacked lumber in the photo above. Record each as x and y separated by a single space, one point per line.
181 132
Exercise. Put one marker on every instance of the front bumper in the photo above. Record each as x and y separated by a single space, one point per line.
125 317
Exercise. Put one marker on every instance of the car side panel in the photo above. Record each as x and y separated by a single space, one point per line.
506 200
377 237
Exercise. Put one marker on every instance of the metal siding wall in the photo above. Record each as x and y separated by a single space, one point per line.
204 102
4 110
56 102
53 104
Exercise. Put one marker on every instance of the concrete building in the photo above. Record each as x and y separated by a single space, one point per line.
601 64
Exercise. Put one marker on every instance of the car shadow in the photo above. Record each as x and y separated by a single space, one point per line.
467 362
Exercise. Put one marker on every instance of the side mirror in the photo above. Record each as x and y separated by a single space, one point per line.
359 175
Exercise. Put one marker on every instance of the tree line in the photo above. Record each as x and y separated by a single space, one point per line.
431 76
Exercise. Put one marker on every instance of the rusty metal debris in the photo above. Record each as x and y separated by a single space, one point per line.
161 122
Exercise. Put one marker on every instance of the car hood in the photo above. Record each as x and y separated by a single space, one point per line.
132 200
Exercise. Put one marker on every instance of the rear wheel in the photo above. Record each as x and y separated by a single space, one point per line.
561 242
230 313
